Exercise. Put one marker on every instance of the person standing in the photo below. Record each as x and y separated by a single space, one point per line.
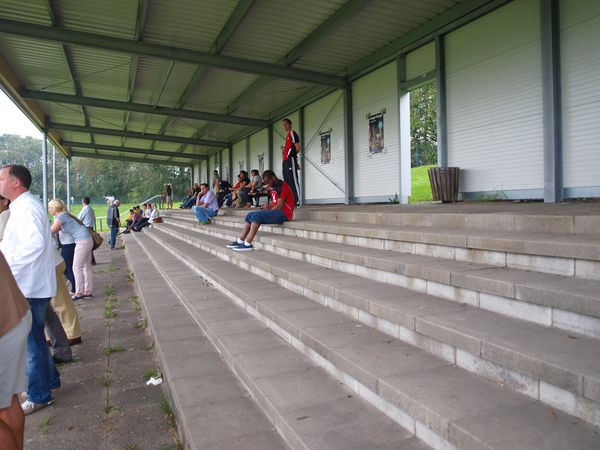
82 260
15 325
169 195
28 249
290 166
207 205
113 219
87 216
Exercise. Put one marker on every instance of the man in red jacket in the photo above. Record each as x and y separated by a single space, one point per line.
280 210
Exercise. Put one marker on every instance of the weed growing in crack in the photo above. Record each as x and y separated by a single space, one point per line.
45 423
151 373
113 349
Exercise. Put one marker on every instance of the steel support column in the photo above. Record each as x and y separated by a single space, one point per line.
247 155
552 104
53 171
45 168
302 150
348 146
221 163
404 182
231 165
270 149
69 184
440 67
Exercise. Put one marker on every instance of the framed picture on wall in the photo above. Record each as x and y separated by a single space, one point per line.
241 164
376 133
326 147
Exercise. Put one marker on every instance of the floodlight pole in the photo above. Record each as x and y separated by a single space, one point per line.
68 183
45 168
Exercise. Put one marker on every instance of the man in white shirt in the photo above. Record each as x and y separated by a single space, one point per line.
28 249
87 215
154 212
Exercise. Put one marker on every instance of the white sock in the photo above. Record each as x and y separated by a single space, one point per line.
247 244
239 241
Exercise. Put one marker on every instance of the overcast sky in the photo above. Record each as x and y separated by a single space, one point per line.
13 121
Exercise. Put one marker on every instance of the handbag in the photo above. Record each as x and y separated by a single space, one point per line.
96 237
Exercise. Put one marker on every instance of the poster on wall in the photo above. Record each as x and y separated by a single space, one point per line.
241 164
376 136
326 147
261 163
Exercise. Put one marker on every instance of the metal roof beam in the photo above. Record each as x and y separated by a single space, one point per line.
141 108
129 159
141 151
59 34
348 10
137 135
227 31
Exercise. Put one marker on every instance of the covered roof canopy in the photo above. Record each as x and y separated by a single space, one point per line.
175 81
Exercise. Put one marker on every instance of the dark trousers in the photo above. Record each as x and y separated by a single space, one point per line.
290 176
68 252
93 259
59 342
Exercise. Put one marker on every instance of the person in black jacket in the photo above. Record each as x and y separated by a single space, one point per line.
113 219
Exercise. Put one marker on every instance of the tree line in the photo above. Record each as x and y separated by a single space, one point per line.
131 182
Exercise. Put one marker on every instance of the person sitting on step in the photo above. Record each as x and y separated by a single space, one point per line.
280 210
207 205
256 186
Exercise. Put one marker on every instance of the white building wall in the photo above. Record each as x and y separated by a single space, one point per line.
239 158
213 164
494 101
259 145
197 169
580 64
376 177
420 61
279 141
321 179
202 175
225 173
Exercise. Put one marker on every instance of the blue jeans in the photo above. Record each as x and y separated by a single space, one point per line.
41 372
113 236
189 202
270 217
67 252
203 214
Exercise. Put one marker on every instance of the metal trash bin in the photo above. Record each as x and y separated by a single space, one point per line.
444 183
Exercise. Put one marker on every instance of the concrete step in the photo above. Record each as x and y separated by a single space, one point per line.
557 219
212 408
552 300
308 408
446 406
559 254
544 363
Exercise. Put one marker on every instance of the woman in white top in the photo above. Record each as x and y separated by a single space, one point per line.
82 260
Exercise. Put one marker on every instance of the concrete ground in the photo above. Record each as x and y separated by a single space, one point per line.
104 402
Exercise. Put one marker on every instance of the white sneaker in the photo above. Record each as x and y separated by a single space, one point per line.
29 407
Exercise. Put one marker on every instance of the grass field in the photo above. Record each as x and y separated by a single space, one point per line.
421 190
100 210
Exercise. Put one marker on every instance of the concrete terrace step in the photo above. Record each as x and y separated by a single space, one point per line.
551 300
212 408
444 405
561 254
531 218
309 409
548 364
